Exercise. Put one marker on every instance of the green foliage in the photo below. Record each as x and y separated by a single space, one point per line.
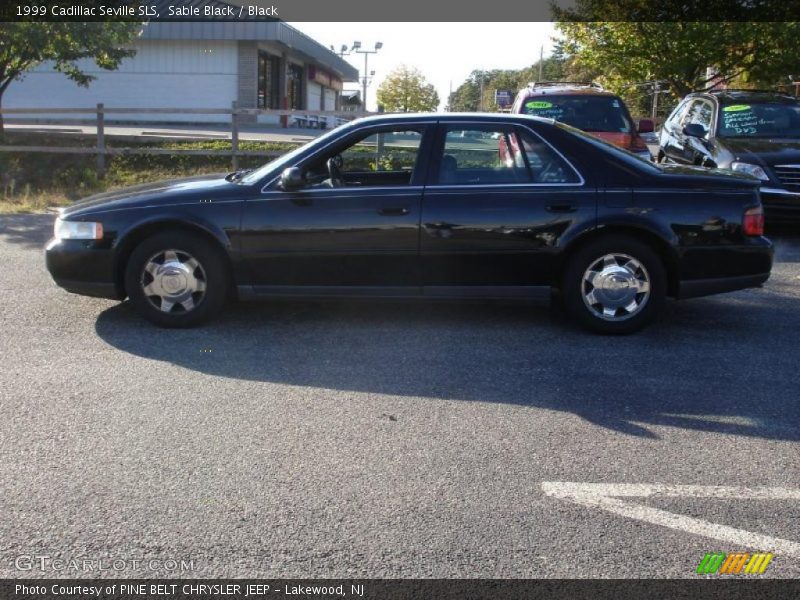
709 11
678 53
558 67
406 90
25 45
467 97
63 177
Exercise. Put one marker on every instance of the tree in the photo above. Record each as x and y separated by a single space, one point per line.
467 97
23 46
628 45
558 67
406 90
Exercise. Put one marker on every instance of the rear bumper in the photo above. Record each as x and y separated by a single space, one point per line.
81 267
706 287
734 267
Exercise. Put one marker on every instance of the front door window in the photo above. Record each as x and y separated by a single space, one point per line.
383 158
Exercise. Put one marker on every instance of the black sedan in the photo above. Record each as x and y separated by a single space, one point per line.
748 131
433 206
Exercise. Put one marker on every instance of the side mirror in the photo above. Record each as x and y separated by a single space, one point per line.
694 130
291 179
646 126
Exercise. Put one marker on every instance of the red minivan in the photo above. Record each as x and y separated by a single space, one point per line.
586 106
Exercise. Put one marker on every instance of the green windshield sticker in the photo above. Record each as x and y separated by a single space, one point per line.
736 108
539 104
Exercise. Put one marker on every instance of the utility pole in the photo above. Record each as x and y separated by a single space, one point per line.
541 61
450 98
656 91
480 98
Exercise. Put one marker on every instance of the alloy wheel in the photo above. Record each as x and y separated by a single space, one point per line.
615 287
173 281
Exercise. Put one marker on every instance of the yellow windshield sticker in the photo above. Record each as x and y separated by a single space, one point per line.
736 108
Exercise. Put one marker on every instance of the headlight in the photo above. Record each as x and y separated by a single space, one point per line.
753 170
77 230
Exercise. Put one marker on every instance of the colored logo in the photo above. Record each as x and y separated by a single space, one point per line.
539 104
736 108
737 563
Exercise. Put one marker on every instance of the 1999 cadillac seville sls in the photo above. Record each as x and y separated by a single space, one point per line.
434 205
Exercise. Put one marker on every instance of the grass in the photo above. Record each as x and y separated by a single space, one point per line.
32 182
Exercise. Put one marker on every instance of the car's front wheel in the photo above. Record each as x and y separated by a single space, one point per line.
614 285
176 279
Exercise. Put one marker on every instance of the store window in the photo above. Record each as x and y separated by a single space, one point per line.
268 81
294 86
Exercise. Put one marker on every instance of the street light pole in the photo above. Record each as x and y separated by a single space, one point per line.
366 56
357 49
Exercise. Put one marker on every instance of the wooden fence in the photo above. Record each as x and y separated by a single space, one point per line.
101 150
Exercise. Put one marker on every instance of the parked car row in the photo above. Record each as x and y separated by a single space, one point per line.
748 131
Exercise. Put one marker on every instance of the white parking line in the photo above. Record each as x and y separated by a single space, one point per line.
607 496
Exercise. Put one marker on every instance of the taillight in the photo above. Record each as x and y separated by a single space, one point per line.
753 223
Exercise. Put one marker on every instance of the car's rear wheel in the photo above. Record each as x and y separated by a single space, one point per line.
614 285
176 279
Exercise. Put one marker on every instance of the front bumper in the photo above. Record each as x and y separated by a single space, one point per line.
81 267
780 205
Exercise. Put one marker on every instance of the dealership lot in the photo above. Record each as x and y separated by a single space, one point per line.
393 439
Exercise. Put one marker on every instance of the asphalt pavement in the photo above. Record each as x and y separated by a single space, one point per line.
309 439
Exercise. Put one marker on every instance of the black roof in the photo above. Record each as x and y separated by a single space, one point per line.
455 116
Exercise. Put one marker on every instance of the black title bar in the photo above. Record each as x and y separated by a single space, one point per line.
405 11
410 589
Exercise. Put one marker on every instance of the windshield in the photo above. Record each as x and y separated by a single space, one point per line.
286 159
589 113
759 120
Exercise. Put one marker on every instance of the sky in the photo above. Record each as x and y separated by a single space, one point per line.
445 53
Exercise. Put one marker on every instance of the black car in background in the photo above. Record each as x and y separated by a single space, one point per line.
424 206
751 132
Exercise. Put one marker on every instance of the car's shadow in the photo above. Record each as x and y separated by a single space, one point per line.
724 364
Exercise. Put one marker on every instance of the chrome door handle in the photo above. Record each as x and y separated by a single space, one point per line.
561 208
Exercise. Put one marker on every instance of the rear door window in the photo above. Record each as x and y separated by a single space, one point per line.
500 155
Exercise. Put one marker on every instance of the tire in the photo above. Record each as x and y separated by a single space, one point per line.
177 279
614 285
